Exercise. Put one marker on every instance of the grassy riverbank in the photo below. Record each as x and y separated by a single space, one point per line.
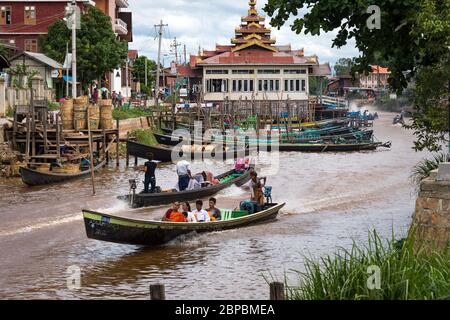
406 273
144 136
130 113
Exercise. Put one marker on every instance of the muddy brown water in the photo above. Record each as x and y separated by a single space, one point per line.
331 200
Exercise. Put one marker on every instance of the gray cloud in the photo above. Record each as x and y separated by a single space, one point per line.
208 22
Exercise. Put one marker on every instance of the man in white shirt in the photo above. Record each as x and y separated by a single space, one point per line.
184 174
201 214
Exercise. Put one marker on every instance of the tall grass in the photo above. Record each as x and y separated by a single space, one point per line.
407 273
423 169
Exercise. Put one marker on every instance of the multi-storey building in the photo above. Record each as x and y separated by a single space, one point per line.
23 21
377 79
253 67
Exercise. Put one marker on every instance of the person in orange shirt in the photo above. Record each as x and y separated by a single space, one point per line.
177 217
168 214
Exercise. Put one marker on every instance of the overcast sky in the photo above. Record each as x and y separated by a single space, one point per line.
206 22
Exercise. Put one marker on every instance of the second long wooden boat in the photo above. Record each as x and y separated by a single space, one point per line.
167 154
33 177
332 147
125 230
226 180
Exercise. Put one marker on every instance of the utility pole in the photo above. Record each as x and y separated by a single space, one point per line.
145 71
67 69
175 45
158 65
185 56
74 49
126 77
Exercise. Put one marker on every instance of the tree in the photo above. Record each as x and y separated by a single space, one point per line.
98 50
413 40
139 72
344 66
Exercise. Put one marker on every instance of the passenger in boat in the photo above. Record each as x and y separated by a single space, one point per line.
214 213
187 212
256 186
177 216
184 174
193 184
175 208
200 213
150 178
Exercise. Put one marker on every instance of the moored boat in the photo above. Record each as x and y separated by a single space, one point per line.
167 154
125 230
33 177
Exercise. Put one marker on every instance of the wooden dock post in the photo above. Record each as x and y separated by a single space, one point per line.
58 141
118 143
277 291
157 292
127 159
91 152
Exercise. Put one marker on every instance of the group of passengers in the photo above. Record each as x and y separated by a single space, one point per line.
183 213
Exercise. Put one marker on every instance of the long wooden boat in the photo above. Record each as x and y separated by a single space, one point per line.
332 147
111 228
363 135
167 140
165 154
228 179
36 178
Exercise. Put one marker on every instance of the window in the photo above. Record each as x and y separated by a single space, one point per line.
268 71
272 85
30 15
243 71
295 71
31 45
5 15
216 71
297 85
10 42
244 85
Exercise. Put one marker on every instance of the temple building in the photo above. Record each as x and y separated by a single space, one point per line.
253 67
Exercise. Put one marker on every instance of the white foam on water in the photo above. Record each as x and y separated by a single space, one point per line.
42 225
232 191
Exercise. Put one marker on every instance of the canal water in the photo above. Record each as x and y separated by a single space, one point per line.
331 200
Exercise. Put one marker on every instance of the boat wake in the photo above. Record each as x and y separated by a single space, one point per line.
41 225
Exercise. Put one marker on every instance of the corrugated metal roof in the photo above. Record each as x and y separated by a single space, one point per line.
43 59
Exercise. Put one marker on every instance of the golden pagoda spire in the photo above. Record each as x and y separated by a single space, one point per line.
252 11
253 32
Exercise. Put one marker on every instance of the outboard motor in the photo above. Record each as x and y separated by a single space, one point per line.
268 194
133 187
247 205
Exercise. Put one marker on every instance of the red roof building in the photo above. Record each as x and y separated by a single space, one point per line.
254 67
377 79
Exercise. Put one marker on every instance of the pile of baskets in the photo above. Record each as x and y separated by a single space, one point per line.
76 113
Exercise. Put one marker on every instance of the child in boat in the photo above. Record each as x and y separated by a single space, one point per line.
187 212
213 212
175 208
201 214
